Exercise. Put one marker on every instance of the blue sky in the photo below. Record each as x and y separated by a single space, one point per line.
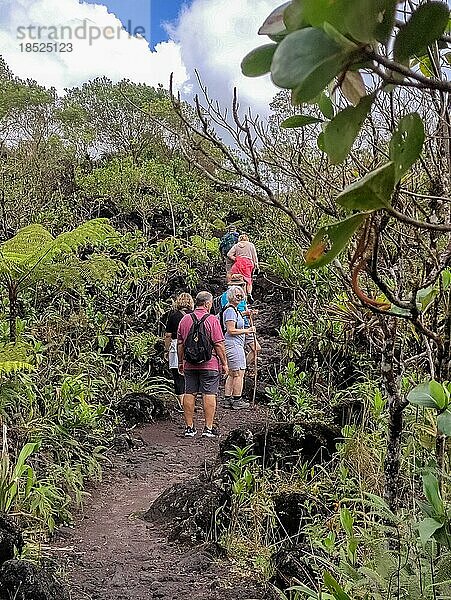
149 14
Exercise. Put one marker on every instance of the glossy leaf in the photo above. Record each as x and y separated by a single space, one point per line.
426 25
334 587
363 19
426 296
353 87
373 192
444 423
299 121
406 143
294 16
258 61
421 396
341 132
331 240
274 24
317 12
325 105
431 491
306 61
438 393
427 528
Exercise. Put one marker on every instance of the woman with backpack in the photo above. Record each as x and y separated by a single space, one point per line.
183 305
235 332
245 260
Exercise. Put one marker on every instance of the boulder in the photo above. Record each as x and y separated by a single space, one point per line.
23 580
10 538
139 407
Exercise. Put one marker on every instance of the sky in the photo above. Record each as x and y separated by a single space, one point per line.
141 40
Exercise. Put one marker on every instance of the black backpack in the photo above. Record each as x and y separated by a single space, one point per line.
221 316
198 345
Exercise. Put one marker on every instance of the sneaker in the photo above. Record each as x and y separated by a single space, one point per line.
210 433
226 403
190 431
240 404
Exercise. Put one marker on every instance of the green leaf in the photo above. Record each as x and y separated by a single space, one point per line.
341 132
299 121
385 27
373 192
438 393
426 296
325 105
426 25
334 587
406 143
320 142
427 528
431 491
317 12
363 19
258 61
294 16
274 24
306 61
444 423
421 396
347 520
331 240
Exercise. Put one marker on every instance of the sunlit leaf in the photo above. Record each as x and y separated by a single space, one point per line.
341 132
306 61
331 240
427 528
406 143
438 394
426 25
258 61
431 491
334 587
372 192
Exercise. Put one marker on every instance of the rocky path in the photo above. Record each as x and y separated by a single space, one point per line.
111 553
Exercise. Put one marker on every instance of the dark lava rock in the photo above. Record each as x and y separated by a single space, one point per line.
23 580
293 565
285 443
188 509
291 512
138 407
10 538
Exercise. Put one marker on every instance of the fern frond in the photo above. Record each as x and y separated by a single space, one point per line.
14 366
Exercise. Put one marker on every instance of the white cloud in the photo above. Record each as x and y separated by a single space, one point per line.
123 56
214 37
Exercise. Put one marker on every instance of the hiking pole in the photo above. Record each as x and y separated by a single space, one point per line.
251 321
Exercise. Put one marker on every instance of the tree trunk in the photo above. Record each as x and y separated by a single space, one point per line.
396 406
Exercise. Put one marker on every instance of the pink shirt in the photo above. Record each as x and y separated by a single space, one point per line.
212 327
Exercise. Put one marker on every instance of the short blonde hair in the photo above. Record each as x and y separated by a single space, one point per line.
184 300
243 238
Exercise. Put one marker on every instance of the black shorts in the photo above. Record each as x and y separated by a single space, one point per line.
201 381
179 382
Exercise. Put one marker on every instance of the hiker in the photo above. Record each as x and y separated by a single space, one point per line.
251 345
201 355
235 337
245 261
183 305
226 243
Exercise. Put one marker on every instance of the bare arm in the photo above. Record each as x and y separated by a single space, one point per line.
180 351
232 329
254 256
167 341
220 351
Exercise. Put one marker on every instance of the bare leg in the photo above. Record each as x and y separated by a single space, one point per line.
209 409
228 387
250 358
188 409
238 382
180 399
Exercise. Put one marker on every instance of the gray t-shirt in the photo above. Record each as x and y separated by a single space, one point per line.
230 314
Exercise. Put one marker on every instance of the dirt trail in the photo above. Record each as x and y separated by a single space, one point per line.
113 554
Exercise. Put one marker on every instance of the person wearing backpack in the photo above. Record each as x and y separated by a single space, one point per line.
183 305
201 355
245 261
227 242
235 338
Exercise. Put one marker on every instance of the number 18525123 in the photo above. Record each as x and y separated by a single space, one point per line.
46 47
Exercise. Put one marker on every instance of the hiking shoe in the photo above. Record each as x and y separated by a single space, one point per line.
240 404
190 431
226 403
210 433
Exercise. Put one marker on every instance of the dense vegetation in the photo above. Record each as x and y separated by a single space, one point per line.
112 200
